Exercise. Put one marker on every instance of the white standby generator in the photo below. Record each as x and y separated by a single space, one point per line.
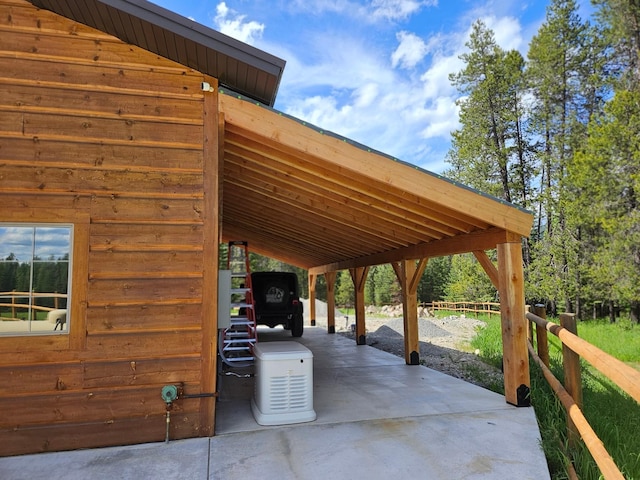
283 391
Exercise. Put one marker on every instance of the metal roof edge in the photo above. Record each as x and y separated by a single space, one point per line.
231 92
190 30
200 33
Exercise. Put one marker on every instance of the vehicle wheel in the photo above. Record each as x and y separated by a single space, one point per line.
297 326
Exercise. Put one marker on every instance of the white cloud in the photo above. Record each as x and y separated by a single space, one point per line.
352 89
411 50
233 24
508 32
398 9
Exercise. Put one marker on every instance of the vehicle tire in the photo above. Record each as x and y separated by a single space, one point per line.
297 326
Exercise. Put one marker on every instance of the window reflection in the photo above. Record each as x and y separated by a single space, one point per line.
34 278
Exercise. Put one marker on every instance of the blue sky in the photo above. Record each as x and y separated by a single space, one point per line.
374 71
49 241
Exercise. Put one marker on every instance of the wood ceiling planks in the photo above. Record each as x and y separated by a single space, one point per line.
320 201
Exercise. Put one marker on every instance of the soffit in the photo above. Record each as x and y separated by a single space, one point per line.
314 199
243 68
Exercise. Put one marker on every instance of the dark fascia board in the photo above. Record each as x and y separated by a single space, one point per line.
185 30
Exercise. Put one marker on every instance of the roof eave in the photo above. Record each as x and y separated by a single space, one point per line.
184 30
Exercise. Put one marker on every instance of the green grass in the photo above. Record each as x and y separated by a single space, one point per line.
614 416
620 339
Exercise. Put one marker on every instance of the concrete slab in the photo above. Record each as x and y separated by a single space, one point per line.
183 459
377 418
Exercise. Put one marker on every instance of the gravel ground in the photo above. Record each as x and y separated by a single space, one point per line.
444 343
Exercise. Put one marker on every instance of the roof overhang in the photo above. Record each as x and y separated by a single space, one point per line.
239 66
319 201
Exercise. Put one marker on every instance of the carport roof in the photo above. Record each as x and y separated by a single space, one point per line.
320 201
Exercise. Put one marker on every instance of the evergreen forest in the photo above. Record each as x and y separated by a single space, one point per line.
558 133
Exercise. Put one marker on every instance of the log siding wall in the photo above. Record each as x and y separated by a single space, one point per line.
108 137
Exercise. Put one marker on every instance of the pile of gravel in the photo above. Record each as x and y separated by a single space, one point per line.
426 328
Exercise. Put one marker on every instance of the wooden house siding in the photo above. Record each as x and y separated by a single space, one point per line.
111 138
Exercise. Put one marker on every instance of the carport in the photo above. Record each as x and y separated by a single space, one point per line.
322 202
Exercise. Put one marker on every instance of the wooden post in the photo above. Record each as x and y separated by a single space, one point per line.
359 277
212 170
572 375
514 324
409 273
542 341
312 299
330 280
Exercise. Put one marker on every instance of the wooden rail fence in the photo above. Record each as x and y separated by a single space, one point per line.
475 308
570 395
13 298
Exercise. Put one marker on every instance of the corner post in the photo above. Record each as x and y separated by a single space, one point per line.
212 153
514 324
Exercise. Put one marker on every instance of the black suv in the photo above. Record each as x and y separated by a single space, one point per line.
277 300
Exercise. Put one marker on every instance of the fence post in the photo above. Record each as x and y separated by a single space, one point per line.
542 342
572 375
13 304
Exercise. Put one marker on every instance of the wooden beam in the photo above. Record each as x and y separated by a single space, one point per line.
330 280
359 277
312 200
514 324
478 240
375 200
312 299
409 273
330 219
488 267
211 169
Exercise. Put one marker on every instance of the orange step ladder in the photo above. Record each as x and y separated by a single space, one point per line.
237 340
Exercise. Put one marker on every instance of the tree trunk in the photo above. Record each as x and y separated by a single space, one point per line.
612 312
634 312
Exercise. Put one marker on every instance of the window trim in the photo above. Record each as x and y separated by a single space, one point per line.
42 208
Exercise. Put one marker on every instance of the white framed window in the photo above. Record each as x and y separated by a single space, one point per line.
35 278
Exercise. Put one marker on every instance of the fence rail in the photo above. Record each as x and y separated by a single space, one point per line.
570 394
476 308
13 296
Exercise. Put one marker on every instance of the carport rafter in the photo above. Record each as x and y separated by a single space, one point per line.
419 209
322 211
322 197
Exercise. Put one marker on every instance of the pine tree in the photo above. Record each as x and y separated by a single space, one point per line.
489 150
556 56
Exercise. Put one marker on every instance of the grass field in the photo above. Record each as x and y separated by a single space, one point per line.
613 415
